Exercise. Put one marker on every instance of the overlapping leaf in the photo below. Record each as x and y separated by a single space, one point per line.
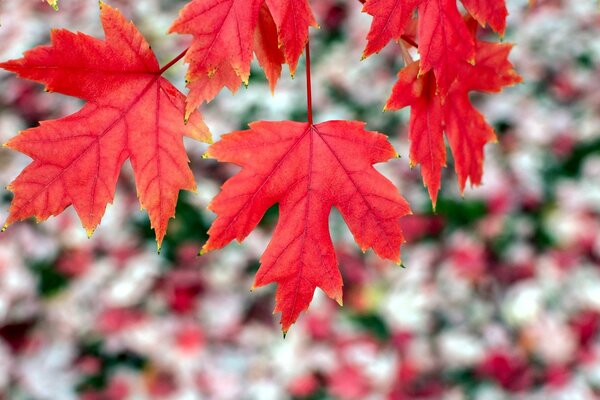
227 33
452 63
444 39
131 113
465 127
306 169
488 12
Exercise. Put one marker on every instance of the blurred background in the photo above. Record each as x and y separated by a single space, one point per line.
500 297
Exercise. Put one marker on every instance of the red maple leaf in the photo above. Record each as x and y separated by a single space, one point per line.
488 12
131 112
444 39
465 127
391 19
226 33
307 169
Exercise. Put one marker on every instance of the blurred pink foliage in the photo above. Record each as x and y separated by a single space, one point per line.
500 297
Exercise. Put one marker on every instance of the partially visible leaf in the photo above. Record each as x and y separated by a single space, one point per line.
266 46
488 12
444 39
293 18
465 127
390 22
227 33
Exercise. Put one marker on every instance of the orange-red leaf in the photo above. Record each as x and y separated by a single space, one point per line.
306 169
465 127
390 22
266 46
131 113
226 34
488 12
445 42
444 39
293 18
223 33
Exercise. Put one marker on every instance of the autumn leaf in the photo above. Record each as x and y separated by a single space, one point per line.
444 39
226 35
131 113
465 127
306 169
390 22
266 47
488 12
293 18
445 42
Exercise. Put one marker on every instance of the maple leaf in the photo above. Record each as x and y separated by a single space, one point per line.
293 18
390 22
227 33
307 169
444 39
488 12
266 47
465 127
131 112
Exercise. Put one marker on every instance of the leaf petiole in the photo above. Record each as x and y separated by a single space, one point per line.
308 85
173 62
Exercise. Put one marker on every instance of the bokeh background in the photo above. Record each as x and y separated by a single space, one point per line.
500 297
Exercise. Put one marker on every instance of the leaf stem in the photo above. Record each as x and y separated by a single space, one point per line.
173 62
308 85
410 41
405 53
